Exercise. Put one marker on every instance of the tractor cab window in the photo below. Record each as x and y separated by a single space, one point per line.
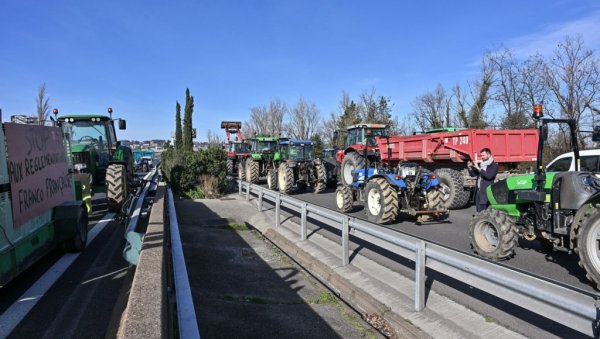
237 147
89 132
300 152
359 135
264 146
374 132
560 165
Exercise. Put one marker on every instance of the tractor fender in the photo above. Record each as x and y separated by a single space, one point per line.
590 204
391 179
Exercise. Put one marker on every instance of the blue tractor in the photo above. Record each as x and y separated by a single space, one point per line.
391 189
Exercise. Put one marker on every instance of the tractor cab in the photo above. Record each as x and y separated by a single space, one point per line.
297 150
364 134
237 147
264 145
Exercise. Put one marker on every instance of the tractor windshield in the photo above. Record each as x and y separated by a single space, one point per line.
357 136
264 146
89 132
300 152
238 147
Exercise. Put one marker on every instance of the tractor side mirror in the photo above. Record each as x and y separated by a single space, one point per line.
545 132
596 134
122 124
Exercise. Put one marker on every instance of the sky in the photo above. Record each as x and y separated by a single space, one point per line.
138 57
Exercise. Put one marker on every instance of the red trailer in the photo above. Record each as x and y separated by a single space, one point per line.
447 153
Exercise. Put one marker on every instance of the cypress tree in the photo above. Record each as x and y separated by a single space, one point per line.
178 136
188 143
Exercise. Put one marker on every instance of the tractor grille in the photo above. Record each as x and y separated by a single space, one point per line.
81 158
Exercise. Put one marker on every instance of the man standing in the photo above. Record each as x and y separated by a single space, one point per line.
485 173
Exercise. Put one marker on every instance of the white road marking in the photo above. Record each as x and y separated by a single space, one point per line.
17 311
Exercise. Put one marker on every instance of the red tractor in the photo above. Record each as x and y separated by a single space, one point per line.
237 150
358 137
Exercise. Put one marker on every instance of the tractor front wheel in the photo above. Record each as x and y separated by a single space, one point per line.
493 234
343 199
285 178
321 180
272 179
230 166
252 170
588 241
382 201
116 186
352 161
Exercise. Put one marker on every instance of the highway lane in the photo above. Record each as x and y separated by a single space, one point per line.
454 233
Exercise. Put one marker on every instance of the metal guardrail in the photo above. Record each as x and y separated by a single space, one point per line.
132 249
573 309
186 314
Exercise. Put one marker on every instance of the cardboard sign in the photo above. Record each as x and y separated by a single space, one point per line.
38 170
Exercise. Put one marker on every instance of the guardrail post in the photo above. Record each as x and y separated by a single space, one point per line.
260 198
248 192
420 257
240 186
277 209
345 236
303 222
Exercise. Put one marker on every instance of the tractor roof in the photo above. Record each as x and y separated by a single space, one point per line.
265 138
84 117
296 142
367 126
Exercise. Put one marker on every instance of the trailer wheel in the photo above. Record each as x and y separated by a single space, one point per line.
252 170
351 162
451 186
382 201
321 182
116 186
343 199
79 241
241 171
272 179
493 234
587 245
229 166
285 178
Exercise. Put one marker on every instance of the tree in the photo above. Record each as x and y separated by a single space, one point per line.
188 144
304 120
43 105
267 120
573 79
214 140
178 135
318 145
432 109
329 126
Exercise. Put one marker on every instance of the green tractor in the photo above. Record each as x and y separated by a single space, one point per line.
264 156
561 209
99 159
298 168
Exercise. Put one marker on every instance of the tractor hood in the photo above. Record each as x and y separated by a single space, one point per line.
505 191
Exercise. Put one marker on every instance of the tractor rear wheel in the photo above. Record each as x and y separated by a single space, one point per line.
79 241
343 199
493 234
451 185
351 162
241 171
272 179
252 170
435 202
285 178
588 241
116 186
230 166
321 182
382 201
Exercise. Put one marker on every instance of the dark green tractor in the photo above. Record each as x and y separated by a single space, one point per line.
298 168
264 156
561 209
99 158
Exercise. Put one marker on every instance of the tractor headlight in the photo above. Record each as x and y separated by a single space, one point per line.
80 167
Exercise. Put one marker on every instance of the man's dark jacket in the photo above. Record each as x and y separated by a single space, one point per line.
487 178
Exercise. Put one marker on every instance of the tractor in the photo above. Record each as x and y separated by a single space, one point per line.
560 209
264 156
391 188
360 145
298 168
237 150
98 158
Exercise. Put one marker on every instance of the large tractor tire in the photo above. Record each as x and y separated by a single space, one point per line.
451 186
435 202
588 240
241 172
351 162
321 182
493 234
252 171
230 166
285 178
272 179
343 199
117 188
382 201
79 241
